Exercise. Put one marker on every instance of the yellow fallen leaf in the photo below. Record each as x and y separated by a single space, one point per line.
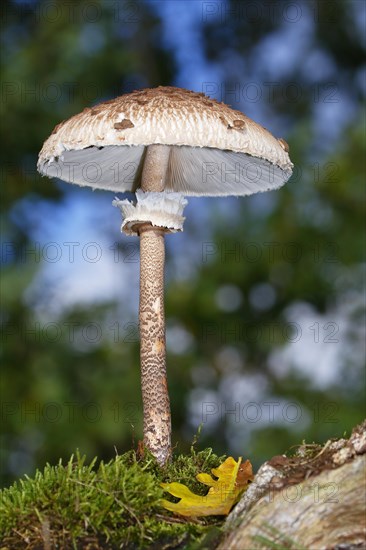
224 492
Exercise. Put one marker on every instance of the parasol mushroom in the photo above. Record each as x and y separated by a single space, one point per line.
163 144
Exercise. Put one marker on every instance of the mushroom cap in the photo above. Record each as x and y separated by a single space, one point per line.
216 150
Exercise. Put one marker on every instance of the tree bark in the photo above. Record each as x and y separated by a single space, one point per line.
325 510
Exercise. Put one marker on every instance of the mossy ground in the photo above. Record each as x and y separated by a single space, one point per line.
105 506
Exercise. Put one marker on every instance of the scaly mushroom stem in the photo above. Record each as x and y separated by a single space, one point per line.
155 397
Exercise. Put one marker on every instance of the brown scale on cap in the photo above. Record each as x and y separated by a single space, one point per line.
237 125
284 144
123 125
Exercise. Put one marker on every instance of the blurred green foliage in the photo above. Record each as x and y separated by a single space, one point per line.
59 395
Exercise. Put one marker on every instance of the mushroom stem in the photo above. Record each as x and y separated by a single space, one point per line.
155 397
155 168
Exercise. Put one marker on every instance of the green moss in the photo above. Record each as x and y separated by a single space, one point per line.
109 505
